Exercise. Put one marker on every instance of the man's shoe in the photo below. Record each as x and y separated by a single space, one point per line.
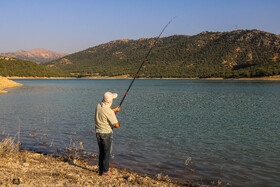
106 174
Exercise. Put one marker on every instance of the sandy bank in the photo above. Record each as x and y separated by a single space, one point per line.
269 78
15 77
34 169
6 83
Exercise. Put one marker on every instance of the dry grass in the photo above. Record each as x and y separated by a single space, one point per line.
7 145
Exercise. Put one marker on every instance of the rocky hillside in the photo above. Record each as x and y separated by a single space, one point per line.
35 55
240 53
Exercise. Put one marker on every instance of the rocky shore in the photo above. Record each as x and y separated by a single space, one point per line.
28 168
6 83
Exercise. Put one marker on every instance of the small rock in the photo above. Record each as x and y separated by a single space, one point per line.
129 178
25 164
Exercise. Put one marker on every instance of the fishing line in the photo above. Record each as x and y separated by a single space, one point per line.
145 59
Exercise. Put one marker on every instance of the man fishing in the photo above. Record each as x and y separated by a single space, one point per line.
105 121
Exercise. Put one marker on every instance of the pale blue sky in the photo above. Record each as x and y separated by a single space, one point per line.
74 25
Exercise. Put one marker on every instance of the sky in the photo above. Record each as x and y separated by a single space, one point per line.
70 26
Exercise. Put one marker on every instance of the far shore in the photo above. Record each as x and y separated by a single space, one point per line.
5 83
268 78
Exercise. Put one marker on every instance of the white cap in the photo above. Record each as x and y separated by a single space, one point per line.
108 97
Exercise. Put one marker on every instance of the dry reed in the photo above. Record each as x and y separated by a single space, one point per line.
8 145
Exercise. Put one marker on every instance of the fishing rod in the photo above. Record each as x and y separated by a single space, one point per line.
145 59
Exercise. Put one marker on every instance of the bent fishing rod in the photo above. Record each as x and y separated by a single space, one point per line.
145 59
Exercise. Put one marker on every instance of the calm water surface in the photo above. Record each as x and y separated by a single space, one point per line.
191 130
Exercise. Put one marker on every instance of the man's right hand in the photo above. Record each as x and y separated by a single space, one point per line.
116 109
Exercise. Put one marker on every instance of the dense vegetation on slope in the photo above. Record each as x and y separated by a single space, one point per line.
22 68
240 53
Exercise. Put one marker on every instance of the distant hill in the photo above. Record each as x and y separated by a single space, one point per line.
35 55
22 68
240 53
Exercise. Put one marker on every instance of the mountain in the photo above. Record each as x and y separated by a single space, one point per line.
239 53
35 55
22 68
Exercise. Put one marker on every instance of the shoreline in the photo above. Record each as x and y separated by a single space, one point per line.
5 83
36 169
268 78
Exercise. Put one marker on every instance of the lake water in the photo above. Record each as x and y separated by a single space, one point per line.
190 130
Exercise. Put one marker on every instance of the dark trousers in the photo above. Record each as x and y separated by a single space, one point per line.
105 148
